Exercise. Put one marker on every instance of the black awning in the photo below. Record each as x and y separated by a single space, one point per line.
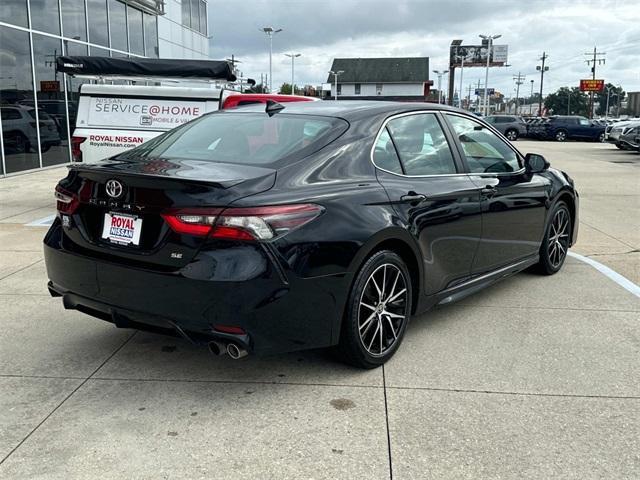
146 67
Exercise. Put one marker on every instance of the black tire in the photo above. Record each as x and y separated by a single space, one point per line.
511 134
560 136
619 145
553 251
388 268
600 138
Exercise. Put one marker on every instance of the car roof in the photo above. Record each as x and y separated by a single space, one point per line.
349 109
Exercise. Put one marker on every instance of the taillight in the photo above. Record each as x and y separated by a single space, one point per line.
76 153
66 202
255 223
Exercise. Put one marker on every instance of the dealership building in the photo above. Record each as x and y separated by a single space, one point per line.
37 103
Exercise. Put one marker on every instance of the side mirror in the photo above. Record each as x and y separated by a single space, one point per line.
534 163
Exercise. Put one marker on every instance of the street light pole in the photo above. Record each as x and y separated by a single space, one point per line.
440 74
270 32
293 57
490 39
531 98
461 70
335 78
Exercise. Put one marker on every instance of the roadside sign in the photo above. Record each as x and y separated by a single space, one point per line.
49 86
476 55
490 91
590 85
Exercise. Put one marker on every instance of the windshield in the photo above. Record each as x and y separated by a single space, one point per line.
244 138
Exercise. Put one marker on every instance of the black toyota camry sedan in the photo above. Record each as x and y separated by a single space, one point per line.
321 224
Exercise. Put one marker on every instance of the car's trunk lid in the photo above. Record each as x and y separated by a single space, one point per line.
149 188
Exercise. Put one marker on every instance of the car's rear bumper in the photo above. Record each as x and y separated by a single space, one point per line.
278 311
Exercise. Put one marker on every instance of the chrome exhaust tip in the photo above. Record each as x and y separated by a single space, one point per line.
235 351
217 348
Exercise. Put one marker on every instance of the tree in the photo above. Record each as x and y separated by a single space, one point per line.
567 101
616 95
285 89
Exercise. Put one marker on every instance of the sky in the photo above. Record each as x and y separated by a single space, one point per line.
325 29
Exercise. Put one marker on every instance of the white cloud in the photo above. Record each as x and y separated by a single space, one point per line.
321 31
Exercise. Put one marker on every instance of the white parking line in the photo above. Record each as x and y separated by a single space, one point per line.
624 282
43 222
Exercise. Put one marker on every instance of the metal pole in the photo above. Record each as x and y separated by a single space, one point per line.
293 88
544 57
486 78
531 99
461 70
270 65
569 103
606 112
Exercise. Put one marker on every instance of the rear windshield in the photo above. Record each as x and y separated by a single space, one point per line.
244 138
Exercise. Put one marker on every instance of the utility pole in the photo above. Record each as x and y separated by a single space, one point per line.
519 81
531 99
469 96
542 69
598 57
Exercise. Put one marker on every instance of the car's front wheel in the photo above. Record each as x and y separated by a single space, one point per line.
377 312
557 237
511 134
561 136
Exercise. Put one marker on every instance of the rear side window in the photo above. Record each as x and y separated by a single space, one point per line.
385 155
422 145
10 114
244 138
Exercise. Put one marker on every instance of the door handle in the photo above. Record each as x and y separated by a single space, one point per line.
413 197
489 191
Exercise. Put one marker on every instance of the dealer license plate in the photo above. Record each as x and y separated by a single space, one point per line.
122 229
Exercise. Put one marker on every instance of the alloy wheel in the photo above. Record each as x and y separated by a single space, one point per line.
383 309
561 136
512 135
558 238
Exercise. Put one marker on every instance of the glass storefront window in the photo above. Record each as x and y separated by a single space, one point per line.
118 25
19 127
14 12
54 143
134 19
150 35
203 18
98 32
45 16
73 19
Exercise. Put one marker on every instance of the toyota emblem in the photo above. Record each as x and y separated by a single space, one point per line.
114 188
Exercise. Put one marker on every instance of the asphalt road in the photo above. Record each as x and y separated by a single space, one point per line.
535 378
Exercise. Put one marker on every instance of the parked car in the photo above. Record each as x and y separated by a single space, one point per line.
511 126
619 130
19 129
536 127
570 127
628 140
306 225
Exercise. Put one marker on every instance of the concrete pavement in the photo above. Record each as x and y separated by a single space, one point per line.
536 377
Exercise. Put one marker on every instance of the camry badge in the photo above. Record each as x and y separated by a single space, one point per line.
114 189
